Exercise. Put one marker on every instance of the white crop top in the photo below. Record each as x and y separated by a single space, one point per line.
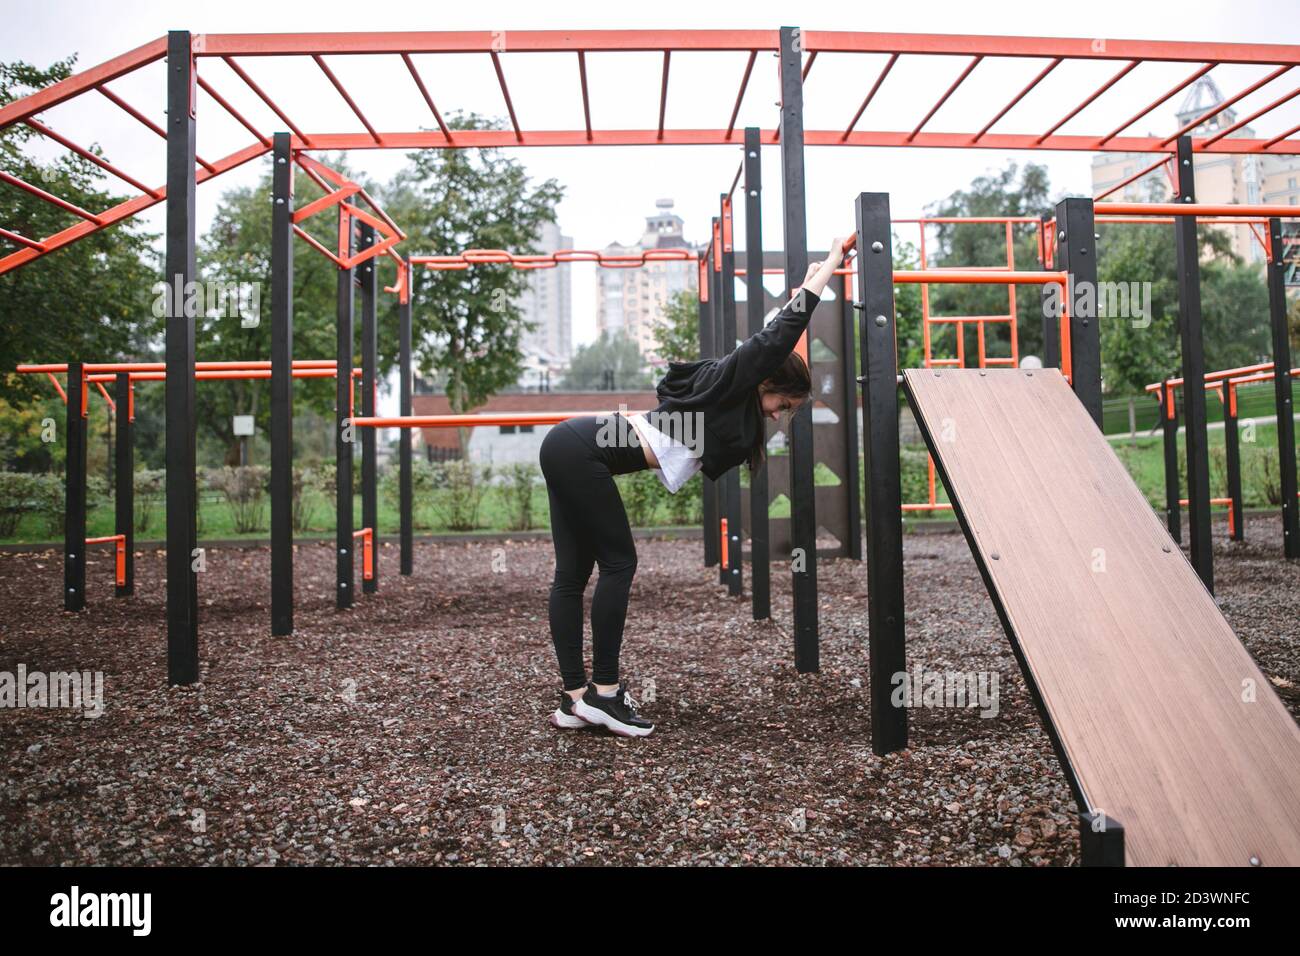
677 462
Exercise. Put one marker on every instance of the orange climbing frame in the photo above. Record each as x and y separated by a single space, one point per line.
119 542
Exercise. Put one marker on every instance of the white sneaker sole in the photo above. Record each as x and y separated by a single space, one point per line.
563 721
594 716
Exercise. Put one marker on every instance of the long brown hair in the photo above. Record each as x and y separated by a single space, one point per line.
793 381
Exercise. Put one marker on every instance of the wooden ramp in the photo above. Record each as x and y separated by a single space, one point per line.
1161 718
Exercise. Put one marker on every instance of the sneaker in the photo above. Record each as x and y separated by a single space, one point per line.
564 718
618 713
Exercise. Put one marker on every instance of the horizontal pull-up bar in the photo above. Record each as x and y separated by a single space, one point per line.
1233 376
1196 209
504 419
223 375
162 366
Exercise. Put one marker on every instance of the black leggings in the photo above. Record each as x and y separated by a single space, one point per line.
589 527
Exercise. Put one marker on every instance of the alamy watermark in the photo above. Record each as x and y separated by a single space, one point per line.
70 690
946 689
684 428
214 299
1105 300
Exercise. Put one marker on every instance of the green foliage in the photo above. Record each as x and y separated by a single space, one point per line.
642 491
19 496
470 322
244 489
686 507
50 499
618 353
461 487
150 487
677 336
1013 191
520 480
84 301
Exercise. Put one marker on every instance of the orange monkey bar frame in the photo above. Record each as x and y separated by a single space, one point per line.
367 536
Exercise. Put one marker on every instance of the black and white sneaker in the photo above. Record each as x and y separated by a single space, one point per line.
564 718
618 712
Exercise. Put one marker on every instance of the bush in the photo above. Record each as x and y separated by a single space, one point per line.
641 491
459 492
19 496
520 480
51 499
306 496
686 507
1263 475
150 489
244 489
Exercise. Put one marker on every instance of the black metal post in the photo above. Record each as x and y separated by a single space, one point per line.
368 276
182 517
1232 461
1076 254
721 346
1282 391
848 366
124 478
1101 840
74 494
731 480
404 440
282 387
1173 487
708 350
1188 248
1051 317
759 548
344 429
880 456
803 513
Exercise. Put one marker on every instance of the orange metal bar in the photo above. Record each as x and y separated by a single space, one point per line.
974 62
367 536
723 539
1220 107
1264 211
119 542
1137 116
1122 72
329 74
50 198
475 421
1056 61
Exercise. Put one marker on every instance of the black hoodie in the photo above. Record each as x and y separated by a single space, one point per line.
724 389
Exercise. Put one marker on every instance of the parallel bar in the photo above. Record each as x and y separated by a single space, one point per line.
92 157
239 117
368 276
145 121
404 373
271 104
1188 247
124 479
883 481
343 433
803 509
505 93
419 82
740 94
1277 311
182 518
663 92
282 366
49 198
755 312
74 494
1076 254
586 97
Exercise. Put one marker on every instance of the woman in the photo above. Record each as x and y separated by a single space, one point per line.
709 419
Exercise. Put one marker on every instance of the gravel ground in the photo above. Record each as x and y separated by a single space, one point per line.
412 730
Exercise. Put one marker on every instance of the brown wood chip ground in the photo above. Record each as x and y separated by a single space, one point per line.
1167 724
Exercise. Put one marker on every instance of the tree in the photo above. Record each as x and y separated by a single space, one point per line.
467 324
1015 191
616 353
81 302
234 254
677 336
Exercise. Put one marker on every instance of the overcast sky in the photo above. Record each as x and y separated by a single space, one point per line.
609 191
